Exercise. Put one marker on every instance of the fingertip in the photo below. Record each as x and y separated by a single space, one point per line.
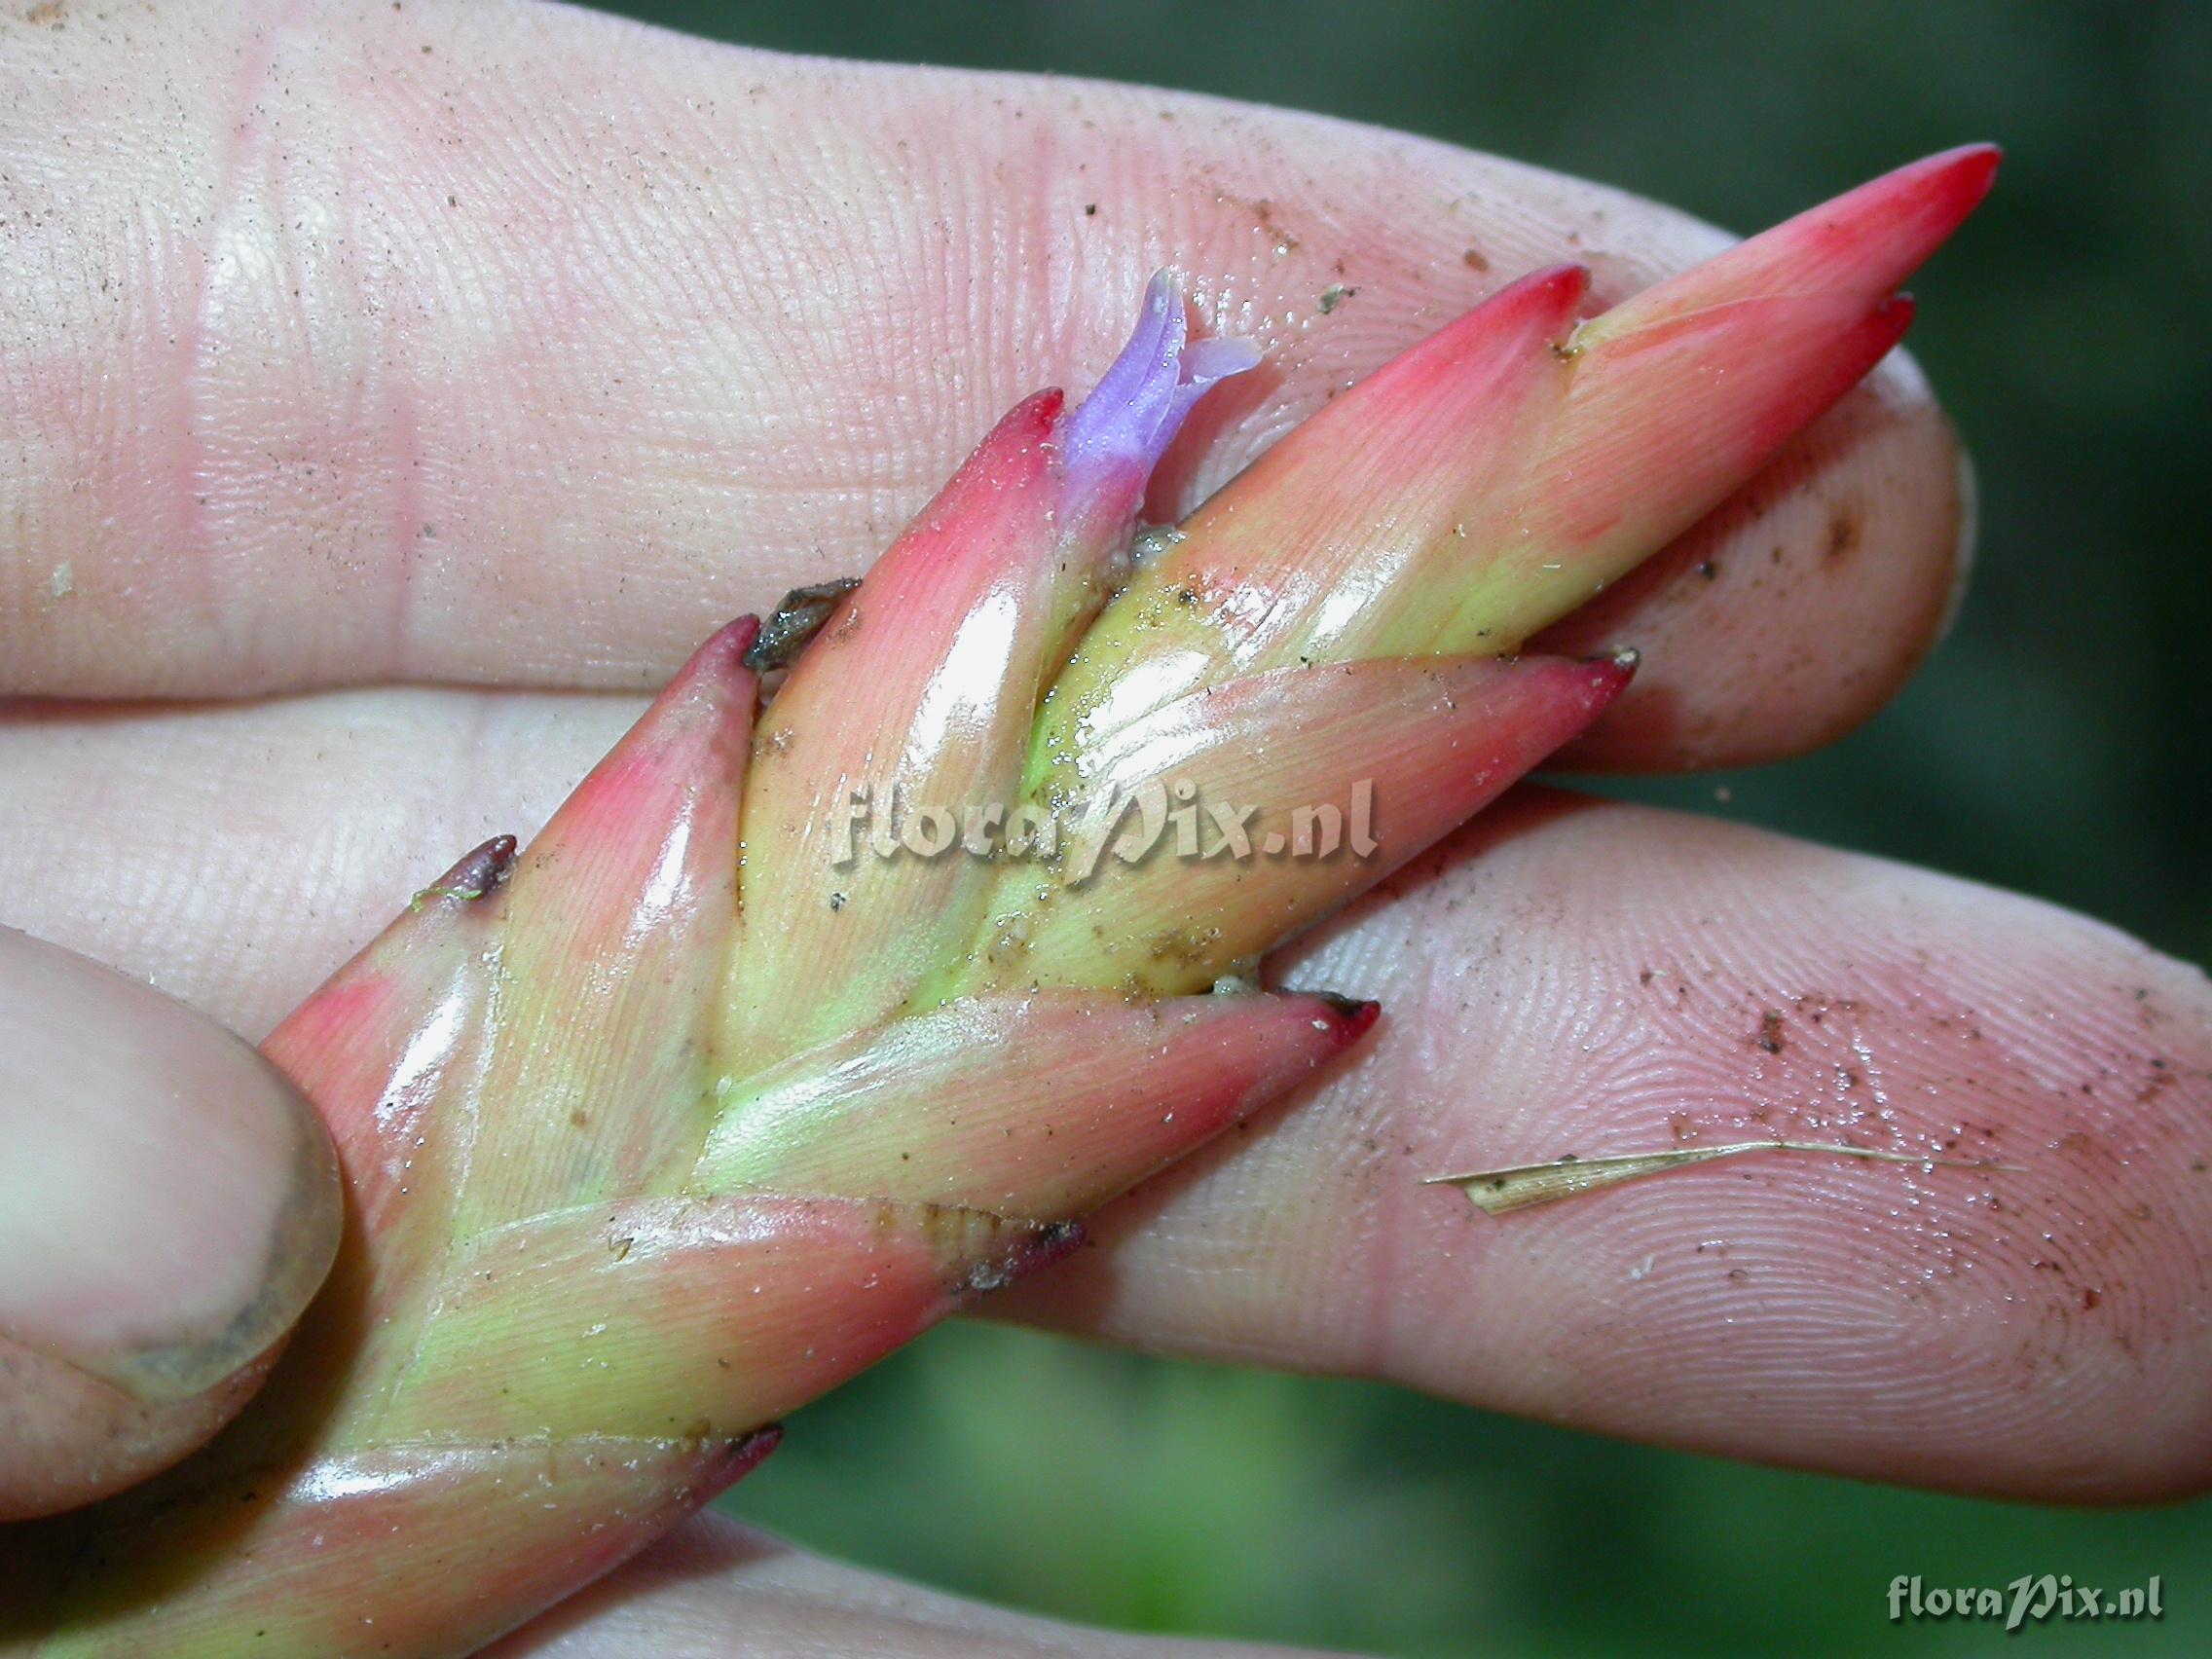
1799 607
169 1204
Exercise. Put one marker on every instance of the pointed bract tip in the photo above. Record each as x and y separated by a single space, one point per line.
1045 1243
1059 1239
1861 244
1545 301
475 875
749 1451
1971 170
737 634
1611 673
1567 282
722 653
1355 1017
1906 213
1603 675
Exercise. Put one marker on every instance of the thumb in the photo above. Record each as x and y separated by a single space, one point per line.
169 1203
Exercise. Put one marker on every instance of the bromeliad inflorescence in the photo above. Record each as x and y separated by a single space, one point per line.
662 1128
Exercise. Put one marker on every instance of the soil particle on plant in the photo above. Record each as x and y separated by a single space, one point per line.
795 621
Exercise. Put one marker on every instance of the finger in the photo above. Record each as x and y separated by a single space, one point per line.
1888 1323
512 344
235 855
1571 977
722 1589
167 1204
1795 610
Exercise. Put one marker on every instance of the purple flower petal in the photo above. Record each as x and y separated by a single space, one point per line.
1139 403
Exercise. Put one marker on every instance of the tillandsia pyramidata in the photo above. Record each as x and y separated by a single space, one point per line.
726 1086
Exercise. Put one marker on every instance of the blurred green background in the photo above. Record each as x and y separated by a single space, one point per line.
2056 745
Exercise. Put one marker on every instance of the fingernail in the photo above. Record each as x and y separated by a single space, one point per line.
169 1201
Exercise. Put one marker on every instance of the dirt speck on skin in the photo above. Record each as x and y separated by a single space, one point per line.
1264 214
1473 260
1769 1034
1846 530
1333 296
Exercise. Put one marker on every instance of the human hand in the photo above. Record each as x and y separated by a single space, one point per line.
169 1203
496 398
